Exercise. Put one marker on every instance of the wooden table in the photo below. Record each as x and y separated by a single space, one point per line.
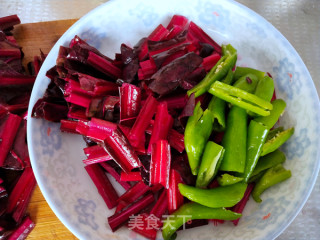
32 37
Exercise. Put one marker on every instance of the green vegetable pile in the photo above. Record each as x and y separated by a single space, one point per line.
244 108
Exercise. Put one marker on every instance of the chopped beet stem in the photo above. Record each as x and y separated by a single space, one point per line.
103 185
161 205
8 135
115 175
160 163
142 122
119 218
162 124
23 230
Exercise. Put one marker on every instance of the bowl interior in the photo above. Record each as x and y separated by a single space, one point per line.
57 158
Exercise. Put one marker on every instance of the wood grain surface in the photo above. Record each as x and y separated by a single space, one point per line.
33 37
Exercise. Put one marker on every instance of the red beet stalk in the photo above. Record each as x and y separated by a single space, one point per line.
99 129
103 65
10 52
142 122
103 185
77 112
174 197
130 176
159 33
162 124
119 218
115 175
130 101
161 205
8 22
210 61
105 88
239 207
148 68
26 178
176 140
134 192
160 163
69 126
10 129
79 99
23 230
24 200
6 81
119 148
177 20
202 37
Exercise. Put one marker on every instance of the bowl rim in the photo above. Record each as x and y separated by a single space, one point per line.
79 22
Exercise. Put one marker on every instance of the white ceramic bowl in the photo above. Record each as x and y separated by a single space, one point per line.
56 159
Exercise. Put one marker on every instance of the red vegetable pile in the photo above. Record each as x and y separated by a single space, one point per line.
131 111
16 176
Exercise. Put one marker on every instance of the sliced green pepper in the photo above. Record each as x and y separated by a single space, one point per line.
191 211
278 108
277 141
241 98
256 178
227 196
197 132
227 179
234 141
211 159
218 107
228 50
265 88
247 83
272 133
241 71
220 70
257 134
272 176
268 161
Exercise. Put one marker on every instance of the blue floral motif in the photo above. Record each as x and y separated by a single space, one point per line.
86 210
297 145
145 13
50 138
93 36
213 14
287 78
258 30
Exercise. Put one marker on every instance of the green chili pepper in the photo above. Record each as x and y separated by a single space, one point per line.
227 196
216 73
277 141
268 161
247 83
272 133
218 107
211 159
272 176
228 50
234 141
257 134
241 98
278 108
241 71
191 211
197 132
256 178
265 88
227 179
